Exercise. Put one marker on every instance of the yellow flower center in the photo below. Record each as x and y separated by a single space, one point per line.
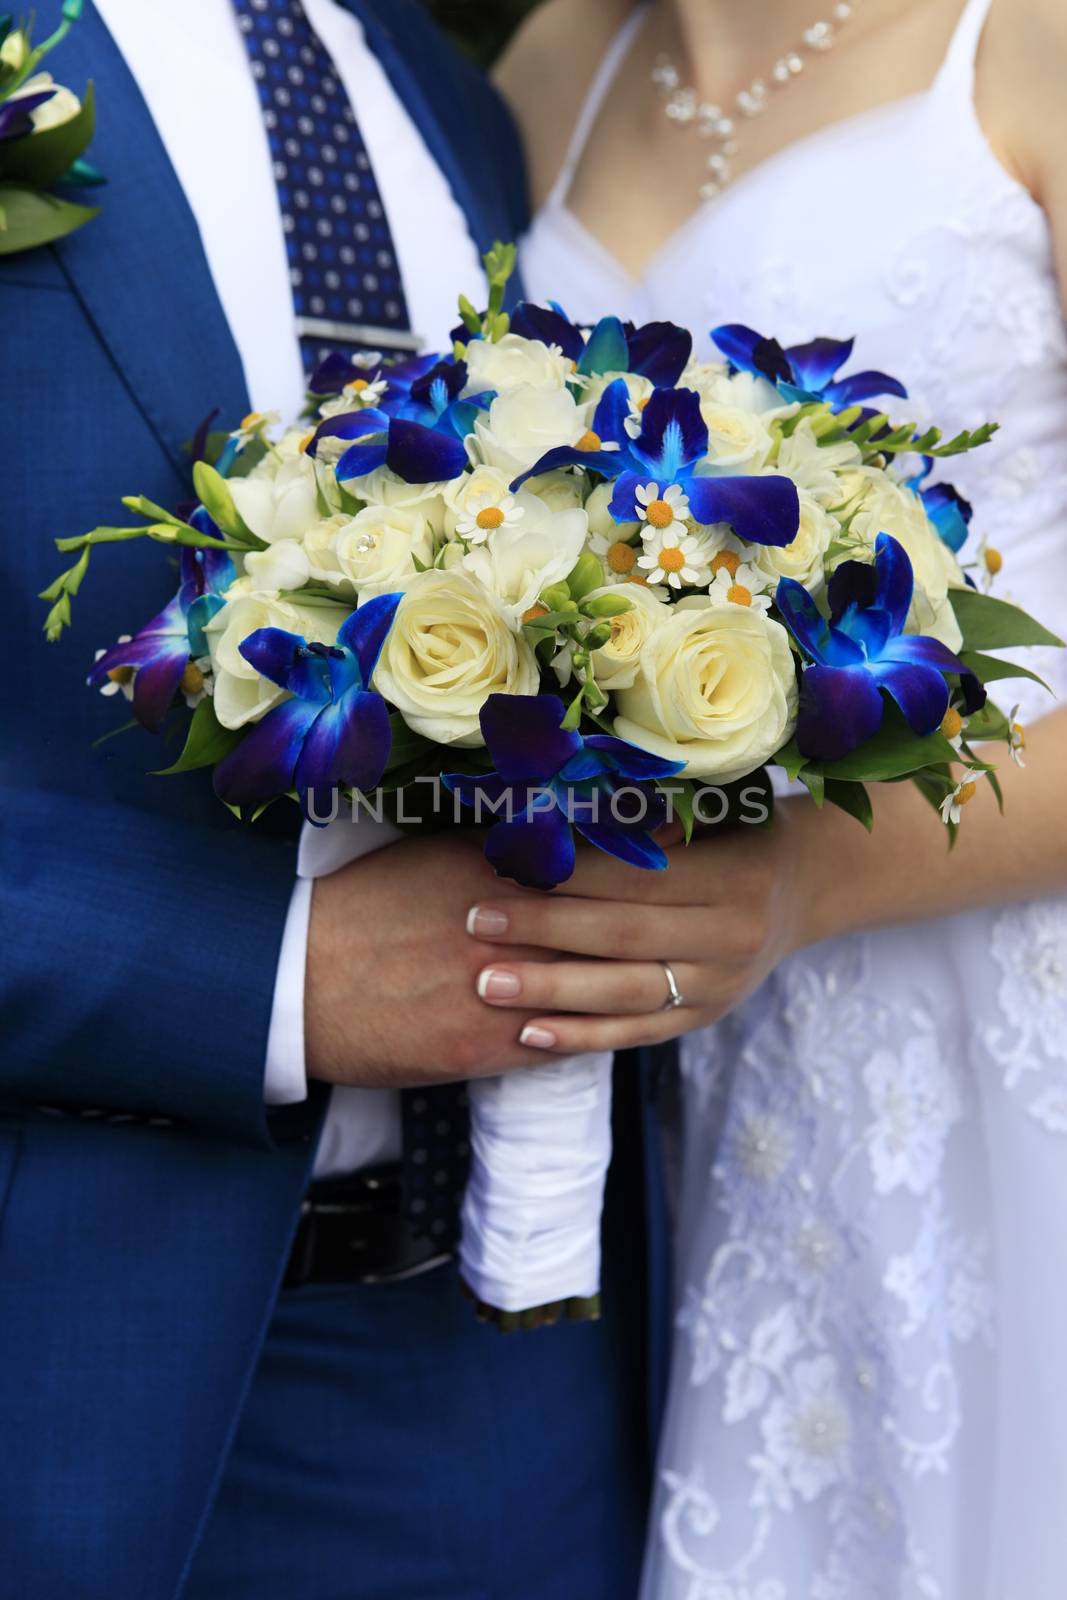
621 557
952 723
192 678
306 440
534 612
121 674
738 595
589 441
489 517
671 559
726 561
659 514
994 561
635 577
358 385
966 793
252 420
1018 733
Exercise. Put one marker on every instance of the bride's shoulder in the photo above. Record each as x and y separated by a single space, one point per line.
545 73
1022 69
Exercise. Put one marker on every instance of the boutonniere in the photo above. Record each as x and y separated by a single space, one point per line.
44 133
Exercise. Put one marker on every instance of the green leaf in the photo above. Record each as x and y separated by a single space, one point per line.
853 798
814 783
988 624
574 712
206 743
217 501
31 219
790 758
680 803
989 723
42 159
989 669
893 752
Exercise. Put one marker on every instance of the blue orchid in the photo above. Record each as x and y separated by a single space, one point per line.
334 730
803 372
669 451
657 351
949 512
861 650
548 781
162 649
415 452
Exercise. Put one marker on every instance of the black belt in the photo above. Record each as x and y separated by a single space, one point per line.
353 1230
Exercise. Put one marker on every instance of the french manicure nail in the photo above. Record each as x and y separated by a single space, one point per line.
496 985
537 1038
485 924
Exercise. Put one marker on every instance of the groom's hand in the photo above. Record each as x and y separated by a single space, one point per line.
389 989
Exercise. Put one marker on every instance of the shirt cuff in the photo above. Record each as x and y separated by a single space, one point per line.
285 1081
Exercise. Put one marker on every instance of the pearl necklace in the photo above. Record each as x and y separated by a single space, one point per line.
683 105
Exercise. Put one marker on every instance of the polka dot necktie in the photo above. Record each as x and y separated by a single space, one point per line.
347 291
343 269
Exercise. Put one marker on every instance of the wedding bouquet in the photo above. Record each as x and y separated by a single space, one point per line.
44 133
584 582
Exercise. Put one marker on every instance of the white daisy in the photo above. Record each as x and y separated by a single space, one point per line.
120 679
1016 737
197 681
359 395
954 726
735 583
961 795
661 510
675 557
255 426
484 513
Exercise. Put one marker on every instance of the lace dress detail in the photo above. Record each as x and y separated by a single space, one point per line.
871 1304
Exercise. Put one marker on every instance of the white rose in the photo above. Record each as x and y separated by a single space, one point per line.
282 565
716 688
520 559
879 505
376 549
513 360
821 470
637 387
559 491
803 557
450 647
282 504
61 107
615 665
522 425
241 693
742 391
601 522
737 439
383 488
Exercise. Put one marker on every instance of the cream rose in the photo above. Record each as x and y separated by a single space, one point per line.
520 559
522 425
716 688
878 505
803 557
450 647
506 363
383 488
282 565
376 550
737 439
601 522
559 491
280 504
241 693
615 665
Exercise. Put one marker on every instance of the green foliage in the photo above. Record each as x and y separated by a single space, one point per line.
206 742
29 219
988 624
44 158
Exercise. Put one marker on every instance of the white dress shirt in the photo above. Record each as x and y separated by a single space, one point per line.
191 66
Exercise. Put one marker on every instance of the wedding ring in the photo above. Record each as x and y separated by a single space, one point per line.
674 998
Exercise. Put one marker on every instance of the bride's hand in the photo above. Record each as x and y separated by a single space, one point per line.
723 915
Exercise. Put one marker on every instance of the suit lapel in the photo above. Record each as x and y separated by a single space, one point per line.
450 113
140 270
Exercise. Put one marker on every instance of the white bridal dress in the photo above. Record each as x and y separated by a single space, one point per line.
869 1395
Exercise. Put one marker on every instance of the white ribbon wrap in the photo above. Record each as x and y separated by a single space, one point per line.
540 1145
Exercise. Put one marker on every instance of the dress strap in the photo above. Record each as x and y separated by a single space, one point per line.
596 94
957 70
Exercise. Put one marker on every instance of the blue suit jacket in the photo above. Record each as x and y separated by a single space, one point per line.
147 1199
